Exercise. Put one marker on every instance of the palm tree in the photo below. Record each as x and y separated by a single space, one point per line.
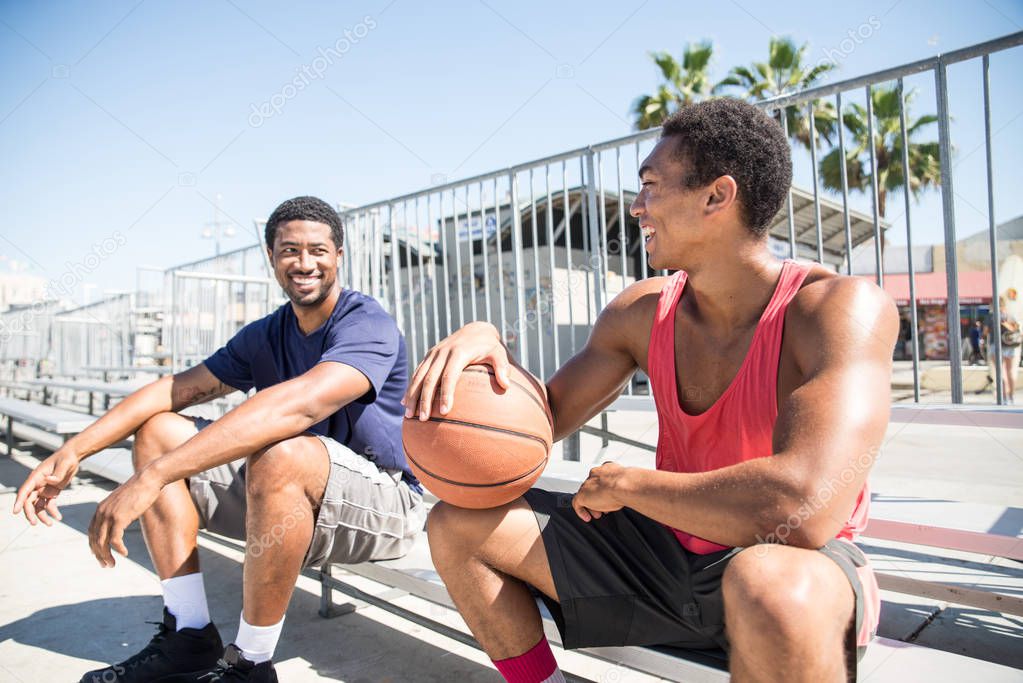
924 160
683 84
784 73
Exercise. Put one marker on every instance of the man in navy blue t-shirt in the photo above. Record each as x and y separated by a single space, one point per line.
309 470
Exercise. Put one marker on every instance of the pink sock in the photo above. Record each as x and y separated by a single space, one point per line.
536 666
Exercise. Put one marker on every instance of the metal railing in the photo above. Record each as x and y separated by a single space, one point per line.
539 248
97 334
938 66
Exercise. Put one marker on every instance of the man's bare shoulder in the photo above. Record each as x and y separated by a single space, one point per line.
847 310
626 321
637 302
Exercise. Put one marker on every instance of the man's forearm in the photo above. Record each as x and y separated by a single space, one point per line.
123 420
257 423
737 505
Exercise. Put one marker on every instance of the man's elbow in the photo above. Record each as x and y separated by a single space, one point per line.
803 527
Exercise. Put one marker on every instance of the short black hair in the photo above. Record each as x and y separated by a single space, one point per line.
305 209
728 136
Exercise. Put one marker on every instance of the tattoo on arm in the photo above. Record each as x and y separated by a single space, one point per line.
190 396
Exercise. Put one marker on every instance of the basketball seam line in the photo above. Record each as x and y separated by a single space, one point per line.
525 390
489 428
471 485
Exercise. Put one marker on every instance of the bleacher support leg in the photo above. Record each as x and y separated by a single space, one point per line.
572 447
328 610
10 436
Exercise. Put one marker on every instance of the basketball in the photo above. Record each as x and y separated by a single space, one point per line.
492 445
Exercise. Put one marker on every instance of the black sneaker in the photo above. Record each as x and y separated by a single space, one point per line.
234 667
169 654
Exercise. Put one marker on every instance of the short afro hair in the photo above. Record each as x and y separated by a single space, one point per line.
727 136
305 209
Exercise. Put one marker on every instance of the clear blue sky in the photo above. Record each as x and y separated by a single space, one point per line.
131 117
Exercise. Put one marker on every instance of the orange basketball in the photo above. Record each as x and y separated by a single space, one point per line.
492 445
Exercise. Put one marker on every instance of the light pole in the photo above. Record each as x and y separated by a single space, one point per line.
217 229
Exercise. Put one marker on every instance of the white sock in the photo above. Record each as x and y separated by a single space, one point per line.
185 598
258 643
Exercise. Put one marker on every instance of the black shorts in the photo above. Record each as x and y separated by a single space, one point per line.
624 579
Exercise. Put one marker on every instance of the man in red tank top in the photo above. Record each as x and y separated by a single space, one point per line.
771 381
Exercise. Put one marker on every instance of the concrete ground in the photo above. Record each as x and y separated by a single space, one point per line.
61 614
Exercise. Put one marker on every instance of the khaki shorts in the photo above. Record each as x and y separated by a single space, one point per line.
366 513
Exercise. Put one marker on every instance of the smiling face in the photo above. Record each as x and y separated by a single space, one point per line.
305 261
671 215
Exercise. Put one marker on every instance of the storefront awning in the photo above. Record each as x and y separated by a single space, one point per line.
974 288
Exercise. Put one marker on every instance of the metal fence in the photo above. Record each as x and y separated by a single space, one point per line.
209 300
539 248
26 340
97 334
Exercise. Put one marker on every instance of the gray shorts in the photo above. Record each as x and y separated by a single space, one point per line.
366 513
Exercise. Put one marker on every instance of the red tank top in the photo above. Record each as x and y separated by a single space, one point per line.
740 424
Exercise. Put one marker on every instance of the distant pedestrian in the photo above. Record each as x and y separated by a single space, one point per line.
976 355
1011 338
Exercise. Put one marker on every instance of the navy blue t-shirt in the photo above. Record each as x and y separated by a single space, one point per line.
359 333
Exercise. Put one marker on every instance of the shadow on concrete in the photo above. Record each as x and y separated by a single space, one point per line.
961 630
353 647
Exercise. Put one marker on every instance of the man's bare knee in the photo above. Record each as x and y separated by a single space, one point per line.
785 590
506 539
158 435
448 529
296 464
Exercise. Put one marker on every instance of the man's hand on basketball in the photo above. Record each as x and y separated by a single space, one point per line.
37 497
598 494
121 508
477 342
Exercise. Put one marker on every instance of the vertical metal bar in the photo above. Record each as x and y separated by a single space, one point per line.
399 315
472 257
605 266
422 277
909 244
587 238
595 252
500 261
435 323
486 249
996 305
174 324
346 266
874 197
550 255
845 186
571 448
566 210
538 320
458 258
816 182
622 237
378 256
949 219
326 593
414 356
623 240
642 242
783 112
444 263
522 337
